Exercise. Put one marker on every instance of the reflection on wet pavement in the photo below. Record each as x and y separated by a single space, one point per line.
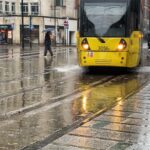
39 97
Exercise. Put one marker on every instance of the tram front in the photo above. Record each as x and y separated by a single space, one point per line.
105 32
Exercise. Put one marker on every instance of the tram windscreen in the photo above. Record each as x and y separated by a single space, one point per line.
103 18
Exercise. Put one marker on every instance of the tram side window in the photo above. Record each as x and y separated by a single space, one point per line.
133 15
132 22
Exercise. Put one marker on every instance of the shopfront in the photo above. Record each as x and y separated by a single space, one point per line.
60 33
6 34
31 35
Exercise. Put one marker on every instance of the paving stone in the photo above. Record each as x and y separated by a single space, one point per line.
100 124
118 113
141 116
84 131
138 147
119 120
110 118
108 135
85 142
127 128
120 146
127 108
136 108
130 121
144 116
59 147
138 122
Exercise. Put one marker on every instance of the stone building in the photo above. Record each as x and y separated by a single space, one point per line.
147 15
38 15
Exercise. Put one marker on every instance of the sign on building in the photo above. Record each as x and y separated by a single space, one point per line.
66 24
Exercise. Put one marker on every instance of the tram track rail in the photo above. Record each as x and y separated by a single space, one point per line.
76 93
55 103
21 118
88 117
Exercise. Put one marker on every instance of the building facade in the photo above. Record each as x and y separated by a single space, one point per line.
37 16
147 15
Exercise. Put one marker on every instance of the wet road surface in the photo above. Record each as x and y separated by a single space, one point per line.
44 98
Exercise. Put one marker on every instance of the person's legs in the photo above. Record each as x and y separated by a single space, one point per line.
50 50
45 52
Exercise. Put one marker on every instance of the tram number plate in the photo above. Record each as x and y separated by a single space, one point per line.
103 48
90 54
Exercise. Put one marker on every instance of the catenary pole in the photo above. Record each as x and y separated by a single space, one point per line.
22 26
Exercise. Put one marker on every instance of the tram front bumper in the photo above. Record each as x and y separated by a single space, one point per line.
114 59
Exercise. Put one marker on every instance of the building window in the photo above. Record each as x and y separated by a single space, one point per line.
1 7
25 8
59 2
34 8
7 7
13 8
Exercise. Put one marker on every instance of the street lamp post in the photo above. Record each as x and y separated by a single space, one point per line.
30 31
55 21
22 27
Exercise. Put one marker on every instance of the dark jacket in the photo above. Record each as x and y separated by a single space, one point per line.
47 41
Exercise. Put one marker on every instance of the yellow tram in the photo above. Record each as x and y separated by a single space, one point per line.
110 32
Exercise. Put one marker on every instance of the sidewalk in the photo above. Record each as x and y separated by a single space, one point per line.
125 127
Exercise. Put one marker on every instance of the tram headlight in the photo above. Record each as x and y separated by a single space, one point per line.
122 45
85 44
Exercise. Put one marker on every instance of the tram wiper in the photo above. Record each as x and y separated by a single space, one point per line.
101 40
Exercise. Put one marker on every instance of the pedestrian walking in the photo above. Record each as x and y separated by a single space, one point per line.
47 43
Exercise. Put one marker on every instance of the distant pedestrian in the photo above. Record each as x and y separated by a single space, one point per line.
47 43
